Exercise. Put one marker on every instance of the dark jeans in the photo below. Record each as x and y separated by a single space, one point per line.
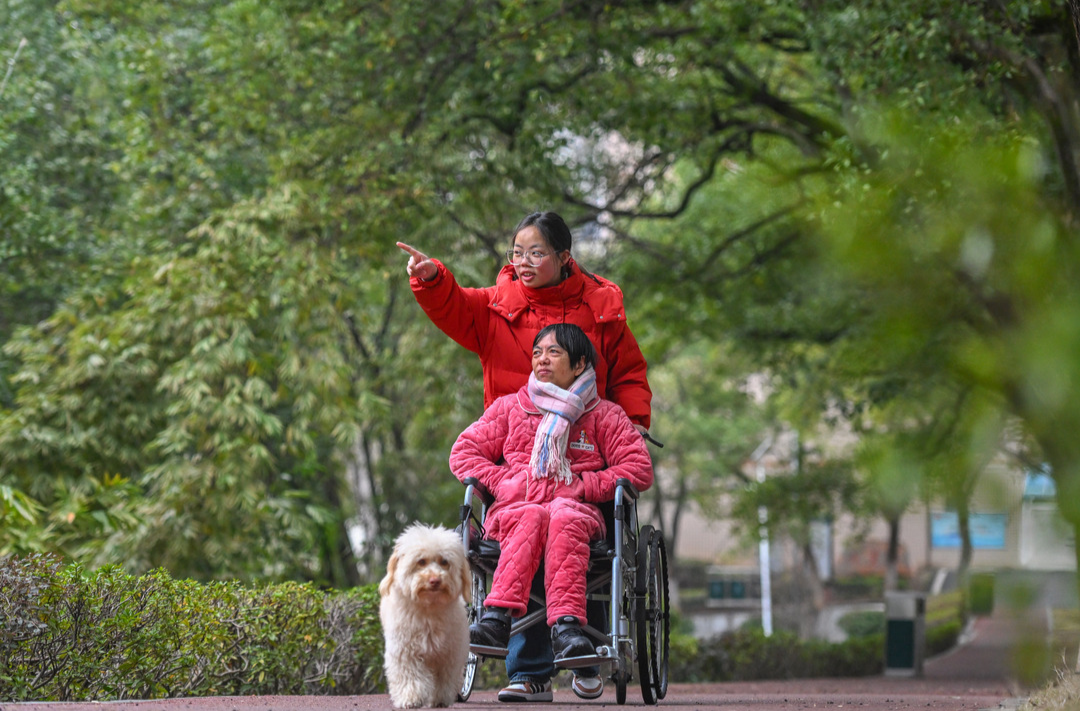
530 657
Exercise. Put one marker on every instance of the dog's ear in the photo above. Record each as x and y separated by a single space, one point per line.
388 581
466 582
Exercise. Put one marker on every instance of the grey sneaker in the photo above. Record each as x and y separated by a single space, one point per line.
587 687
526 691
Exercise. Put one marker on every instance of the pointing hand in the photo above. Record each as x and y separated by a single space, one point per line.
420 265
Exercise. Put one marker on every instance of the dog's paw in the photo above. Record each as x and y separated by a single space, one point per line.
409 702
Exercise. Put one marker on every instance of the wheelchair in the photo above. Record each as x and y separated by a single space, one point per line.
627 571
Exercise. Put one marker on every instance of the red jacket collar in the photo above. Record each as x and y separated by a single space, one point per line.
511 298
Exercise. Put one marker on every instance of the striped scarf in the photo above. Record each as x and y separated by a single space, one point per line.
561 408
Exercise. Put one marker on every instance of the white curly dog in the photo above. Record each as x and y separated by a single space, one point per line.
423 617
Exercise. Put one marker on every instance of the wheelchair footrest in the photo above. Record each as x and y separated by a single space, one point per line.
588 660
481 650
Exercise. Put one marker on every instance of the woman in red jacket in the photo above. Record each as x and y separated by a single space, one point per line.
549 453
541 285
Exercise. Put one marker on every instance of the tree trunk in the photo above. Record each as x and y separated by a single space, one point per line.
963 516
1076 552
813 579
1053 95
1067 483
341 568
671 534
658 501
1074 12
892 555
669 527
364 526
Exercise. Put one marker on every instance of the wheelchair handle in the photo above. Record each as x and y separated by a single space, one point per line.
480 489
628 488
649 438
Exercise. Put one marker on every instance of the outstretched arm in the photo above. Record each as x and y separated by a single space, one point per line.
458 312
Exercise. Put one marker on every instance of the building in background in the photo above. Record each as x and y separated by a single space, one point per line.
1017 535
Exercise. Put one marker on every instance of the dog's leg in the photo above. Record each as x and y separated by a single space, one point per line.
453 652
447 685
410 682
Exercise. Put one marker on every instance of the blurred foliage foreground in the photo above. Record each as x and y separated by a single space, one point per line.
71 634
1062 694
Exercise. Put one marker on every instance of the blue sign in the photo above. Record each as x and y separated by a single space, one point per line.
1039 486
987 530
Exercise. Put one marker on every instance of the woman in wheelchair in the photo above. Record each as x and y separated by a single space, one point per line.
541 285
549 453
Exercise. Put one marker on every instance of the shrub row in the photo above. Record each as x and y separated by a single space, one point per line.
747 654
981 593
941 634
943 637
73 635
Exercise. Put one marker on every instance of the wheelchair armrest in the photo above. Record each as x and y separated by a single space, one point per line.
479 489
628 488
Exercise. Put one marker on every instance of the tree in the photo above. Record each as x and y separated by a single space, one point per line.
705 415
56 140
818 488
222 368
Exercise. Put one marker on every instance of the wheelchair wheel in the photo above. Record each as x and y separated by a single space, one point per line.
470 676
642 618
624 673
620 687
479 592
652 615
662 625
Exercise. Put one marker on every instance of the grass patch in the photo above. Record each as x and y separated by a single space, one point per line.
1061 694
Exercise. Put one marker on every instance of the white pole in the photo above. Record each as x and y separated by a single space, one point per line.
763 546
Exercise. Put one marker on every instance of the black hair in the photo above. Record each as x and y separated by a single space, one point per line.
572 340
551 225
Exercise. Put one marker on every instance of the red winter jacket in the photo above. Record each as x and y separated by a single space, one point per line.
603 447
500 322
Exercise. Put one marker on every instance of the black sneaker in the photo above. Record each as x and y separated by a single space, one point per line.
491 635
568 640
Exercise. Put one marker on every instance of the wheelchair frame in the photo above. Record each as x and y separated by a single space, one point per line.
628 570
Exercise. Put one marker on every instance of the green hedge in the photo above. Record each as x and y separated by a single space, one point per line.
943 637
76 635
981 593
863 624
747 654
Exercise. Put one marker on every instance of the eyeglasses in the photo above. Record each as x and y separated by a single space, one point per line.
532 258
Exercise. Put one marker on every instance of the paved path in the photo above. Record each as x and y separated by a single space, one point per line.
973 677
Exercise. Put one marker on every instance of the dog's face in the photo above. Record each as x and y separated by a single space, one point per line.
428 563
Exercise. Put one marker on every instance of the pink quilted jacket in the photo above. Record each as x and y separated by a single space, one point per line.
604 447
